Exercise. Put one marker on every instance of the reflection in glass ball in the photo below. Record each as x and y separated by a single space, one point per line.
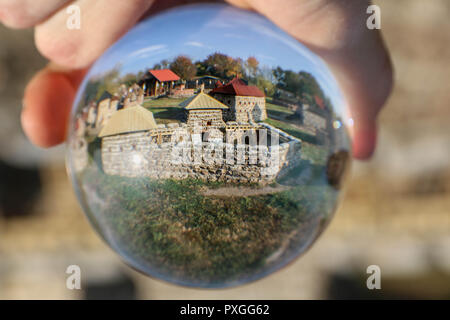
207 147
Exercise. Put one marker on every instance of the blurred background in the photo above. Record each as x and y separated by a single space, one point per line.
396 212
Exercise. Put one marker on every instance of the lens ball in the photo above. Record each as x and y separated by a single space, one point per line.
208 147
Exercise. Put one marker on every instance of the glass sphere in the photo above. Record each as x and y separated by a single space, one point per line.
208 147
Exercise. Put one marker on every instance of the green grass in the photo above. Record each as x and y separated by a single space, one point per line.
277 112
316 154
279 109
165 110
167 115
162 102
171 228
292 130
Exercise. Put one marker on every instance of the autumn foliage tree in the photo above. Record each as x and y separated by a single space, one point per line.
223 66
252 65
301 84
183 67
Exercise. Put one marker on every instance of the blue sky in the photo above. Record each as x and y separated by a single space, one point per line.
199 30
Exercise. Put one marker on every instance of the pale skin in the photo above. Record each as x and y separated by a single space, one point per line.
334 29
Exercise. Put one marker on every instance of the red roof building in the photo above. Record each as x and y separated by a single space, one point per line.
238 87
246 103
158 82
164 75
319 102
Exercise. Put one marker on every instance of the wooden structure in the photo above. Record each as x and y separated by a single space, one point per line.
205 82
158 82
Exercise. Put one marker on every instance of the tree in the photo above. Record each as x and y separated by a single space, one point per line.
163 64
234 67
265 85
108 81
201 68
223 66
129 79
156 66
302 84
298 83
140 75
184 67
252 65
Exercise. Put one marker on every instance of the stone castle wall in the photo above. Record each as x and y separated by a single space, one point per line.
314 120
181 93
205 118
139 154
253 106
242 108
79 151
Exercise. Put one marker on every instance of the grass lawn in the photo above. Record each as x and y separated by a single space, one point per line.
277 112
316 154
167 115
162 102
165 110
292 130
278 109
171 229
278 117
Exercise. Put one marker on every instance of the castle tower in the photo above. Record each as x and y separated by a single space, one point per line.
204 111
246 103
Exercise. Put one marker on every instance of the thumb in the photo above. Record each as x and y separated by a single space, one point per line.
47 102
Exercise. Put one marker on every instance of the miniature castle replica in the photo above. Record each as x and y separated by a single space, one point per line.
246 103
221 138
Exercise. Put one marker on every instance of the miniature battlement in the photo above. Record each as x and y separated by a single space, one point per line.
160 153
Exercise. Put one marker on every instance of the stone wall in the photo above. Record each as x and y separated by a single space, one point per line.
254 107
228 100
106 109
290 157
79 152
314 120
205 118
242 108
181 93
139 155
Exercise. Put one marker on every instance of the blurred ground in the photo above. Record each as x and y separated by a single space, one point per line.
396 213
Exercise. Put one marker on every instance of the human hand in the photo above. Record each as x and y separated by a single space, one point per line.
336 30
